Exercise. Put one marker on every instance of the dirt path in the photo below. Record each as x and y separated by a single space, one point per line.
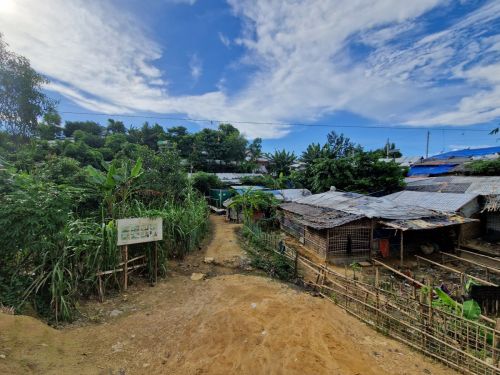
234 323
224 248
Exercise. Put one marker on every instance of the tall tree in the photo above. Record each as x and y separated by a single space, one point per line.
280 162
115 127
50 127
339 146
255 149
22 100
90 127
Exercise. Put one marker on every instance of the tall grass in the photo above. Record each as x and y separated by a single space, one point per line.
185 224
51 256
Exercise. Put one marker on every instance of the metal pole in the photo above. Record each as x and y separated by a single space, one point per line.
402 249
427 147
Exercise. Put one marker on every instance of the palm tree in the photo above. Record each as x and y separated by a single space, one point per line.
281 162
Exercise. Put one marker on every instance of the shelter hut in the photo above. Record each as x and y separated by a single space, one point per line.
486 188
466 205
451 162
347 227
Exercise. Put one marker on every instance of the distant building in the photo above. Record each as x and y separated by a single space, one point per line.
451 162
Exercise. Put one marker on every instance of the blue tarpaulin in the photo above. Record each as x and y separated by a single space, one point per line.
431 170
468 152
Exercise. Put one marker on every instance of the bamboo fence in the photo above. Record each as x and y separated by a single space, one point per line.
401 310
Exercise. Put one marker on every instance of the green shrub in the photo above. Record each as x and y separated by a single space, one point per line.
483 167
203 182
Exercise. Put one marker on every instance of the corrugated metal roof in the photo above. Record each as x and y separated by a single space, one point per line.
371 207
319 217
320 213
404 161
427 223
446 202
290 195
480 185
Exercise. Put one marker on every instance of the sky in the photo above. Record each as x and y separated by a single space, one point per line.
269 67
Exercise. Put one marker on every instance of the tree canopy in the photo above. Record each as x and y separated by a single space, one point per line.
22 100
345 165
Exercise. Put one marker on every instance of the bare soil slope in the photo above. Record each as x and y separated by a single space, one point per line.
226 324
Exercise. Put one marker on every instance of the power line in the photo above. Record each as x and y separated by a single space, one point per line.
287 124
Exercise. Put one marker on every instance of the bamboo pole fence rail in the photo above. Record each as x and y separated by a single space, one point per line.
453 270
403 310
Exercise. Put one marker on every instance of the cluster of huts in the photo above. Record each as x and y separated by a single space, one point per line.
343 227
433 213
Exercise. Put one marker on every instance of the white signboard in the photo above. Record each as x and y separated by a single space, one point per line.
138 230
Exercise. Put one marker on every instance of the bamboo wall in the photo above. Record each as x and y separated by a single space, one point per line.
359 234
316 240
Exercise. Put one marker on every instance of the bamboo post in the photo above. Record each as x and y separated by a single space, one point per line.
402 249
156 263
125 266
296 264
429 299
100 289
377 277
371 238
496 343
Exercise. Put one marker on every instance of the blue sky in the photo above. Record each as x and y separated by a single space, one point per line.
427 64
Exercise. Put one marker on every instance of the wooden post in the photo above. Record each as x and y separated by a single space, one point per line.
125 266
296 265
156 263
402 249
429 299
496 344
101 289
371 238
377 277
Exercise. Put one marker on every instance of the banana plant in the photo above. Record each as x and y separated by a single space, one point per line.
253 200
116 184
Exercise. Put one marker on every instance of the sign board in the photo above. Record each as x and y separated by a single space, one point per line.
139 230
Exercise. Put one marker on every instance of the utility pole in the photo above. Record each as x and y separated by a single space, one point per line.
387 148
427 147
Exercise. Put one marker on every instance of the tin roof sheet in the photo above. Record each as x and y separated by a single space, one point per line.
481 185
371 207
446 202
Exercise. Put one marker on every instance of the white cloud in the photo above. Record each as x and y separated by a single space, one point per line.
196 67
224 39
305 66
188 2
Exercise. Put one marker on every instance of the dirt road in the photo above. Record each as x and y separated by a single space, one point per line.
233 323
